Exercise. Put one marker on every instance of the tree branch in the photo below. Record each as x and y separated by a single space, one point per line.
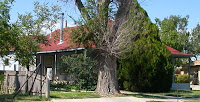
82 10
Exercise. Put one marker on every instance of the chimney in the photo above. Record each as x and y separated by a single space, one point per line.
66 24
61 28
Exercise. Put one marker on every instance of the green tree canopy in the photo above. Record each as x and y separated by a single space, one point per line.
173 32
8 33
194 41
24 36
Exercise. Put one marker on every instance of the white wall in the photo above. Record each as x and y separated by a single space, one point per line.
12 64
180 86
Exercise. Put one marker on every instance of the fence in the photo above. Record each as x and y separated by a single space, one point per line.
15 79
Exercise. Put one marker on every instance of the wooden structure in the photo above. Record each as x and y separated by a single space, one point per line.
176 54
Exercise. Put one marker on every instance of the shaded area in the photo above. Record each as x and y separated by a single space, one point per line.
145 96
20 97
184 94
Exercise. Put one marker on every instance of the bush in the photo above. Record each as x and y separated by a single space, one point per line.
183 78
82 71
148 68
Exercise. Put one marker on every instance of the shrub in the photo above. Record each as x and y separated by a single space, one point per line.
183 78
82 71
148 68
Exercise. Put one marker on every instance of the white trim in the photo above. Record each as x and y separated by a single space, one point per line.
60 50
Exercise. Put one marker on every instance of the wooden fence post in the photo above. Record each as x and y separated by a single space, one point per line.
6 84
26 84
47 88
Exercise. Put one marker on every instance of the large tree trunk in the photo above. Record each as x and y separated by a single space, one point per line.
107 77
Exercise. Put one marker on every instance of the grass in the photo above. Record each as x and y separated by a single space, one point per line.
140 95
193 101
82 95
53 94
182 94
73 95
21 98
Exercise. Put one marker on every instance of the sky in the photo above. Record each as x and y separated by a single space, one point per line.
155 9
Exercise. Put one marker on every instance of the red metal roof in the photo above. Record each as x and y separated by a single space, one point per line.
176 53
54 45
54 41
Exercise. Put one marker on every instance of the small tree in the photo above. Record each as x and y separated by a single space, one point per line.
81 69
30 31
8 33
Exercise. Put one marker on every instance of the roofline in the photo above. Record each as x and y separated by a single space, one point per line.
64 50
182 56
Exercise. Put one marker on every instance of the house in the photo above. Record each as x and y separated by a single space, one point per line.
195 71
59 44
8 63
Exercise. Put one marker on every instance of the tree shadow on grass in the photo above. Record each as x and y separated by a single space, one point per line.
6 98
54 97
145 96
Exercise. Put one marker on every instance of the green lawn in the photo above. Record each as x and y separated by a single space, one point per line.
53 94
182 93
20 97
73 95
193 101
144 96
81 95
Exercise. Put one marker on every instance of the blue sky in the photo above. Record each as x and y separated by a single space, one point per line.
155 9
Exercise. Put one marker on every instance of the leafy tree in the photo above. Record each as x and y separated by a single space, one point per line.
194 41
173 32
24 36
7 31
30 27
112 39
81 70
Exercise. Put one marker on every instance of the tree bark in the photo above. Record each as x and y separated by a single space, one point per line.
107 76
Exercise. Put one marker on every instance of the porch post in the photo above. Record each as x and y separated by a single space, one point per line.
41 73
55 61
189 70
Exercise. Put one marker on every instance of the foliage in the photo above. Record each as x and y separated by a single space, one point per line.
30 28
183 78
195 40
129 36
24 36
173 32
81 70
7 32
148 65
148 69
